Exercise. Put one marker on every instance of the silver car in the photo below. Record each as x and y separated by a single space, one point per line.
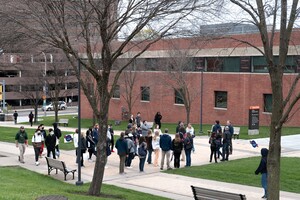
62 105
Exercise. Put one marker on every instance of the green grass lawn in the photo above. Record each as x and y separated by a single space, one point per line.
17 183
241 171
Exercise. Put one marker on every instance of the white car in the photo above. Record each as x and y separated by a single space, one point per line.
61 106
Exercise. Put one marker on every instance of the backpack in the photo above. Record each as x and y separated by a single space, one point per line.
188 144
57 133
213 142
142 151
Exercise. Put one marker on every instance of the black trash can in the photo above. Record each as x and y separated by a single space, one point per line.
2 117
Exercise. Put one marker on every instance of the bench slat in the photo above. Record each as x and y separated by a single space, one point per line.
65 122
208 194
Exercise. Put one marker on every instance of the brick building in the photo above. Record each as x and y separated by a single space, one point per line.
234 77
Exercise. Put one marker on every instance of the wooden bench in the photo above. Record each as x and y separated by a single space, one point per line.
236 132
208 194
58 164
65 122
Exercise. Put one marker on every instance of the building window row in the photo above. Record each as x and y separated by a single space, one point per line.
256 64
220 97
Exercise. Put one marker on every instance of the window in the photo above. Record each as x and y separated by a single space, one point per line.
231 64
268 103
214 64
220 99
260 64
116 93
178 96
145 93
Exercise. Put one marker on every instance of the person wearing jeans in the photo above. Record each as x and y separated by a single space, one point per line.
262 168
142 153
188 146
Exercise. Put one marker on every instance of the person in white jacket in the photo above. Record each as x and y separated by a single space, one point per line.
156 147
37 140
75 141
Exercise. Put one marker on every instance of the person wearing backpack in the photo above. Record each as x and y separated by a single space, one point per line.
188 146
213 146
226 143
57 133
142 151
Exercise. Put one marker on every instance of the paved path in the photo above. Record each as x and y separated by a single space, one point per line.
152 180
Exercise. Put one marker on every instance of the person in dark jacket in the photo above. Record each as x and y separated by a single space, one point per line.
177 146
121 146
165 144
157 119
16 116
83 147
30 116
213 147
149 146
90 143
188 146
262 168
142 148
57 133
50 142
226 144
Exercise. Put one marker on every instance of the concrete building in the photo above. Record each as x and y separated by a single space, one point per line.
27 76
228 76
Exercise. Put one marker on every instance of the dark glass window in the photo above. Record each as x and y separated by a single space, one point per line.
116 93
220 99
178 96
145 93
268 103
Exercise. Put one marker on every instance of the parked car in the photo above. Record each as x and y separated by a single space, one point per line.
61 106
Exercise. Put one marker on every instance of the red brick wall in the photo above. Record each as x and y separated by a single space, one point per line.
243 91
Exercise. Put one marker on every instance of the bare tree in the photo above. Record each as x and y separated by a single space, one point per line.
265 14
130 78
102 30
55 81
179 64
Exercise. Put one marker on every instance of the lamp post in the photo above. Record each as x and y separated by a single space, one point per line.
44 87
79 182
201 100
3 87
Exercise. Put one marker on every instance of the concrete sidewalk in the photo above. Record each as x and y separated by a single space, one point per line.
152 180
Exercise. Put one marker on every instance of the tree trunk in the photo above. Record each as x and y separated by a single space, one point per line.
275 135
96 184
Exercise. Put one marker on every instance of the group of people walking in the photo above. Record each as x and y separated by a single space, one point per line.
39 140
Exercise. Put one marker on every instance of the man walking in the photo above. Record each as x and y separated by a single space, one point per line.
30 116
21 143
16 116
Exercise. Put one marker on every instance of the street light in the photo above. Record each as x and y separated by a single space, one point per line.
3 86
201 100
44 87
79 182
